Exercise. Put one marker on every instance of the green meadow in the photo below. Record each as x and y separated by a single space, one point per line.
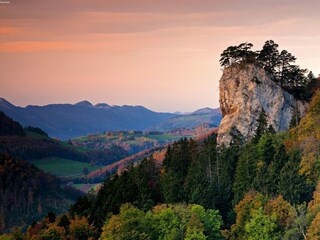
63 167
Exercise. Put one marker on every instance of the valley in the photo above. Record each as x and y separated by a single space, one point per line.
74 160
83 163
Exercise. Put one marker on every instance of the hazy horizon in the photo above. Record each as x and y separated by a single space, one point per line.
96 103
163 55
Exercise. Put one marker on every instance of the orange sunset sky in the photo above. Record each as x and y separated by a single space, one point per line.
163 54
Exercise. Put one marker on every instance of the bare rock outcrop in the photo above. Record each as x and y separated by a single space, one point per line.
244 91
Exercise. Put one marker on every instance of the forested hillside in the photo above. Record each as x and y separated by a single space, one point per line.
32 143
8 127
28 194
38 148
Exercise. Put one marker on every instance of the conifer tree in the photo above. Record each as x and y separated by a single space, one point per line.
269 55
245 172
292 186
284 67
262 125
237 54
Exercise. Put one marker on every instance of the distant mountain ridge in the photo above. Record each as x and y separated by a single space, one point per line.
205 116
215 111
66 121
5 104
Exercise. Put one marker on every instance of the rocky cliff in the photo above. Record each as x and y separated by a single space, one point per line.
244 91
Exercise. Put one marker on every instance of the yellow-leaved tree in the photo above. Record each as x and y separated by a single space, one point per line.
308 136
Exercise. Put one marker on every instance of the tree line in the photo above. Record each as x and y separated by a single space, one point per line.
280 65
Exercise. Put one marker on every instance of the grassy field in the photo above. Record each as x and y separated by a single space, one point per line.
63 167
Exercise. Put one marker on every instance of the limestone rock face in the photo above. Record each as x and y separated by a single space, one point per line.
244 91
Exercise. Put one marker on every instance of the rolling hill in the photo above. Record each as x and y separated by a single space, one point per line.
51 155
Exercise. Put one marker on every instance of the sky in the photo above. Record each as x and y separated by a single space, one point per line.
162 54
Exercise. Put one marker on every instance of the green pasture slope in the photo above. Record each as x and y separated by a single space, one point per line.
63 167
